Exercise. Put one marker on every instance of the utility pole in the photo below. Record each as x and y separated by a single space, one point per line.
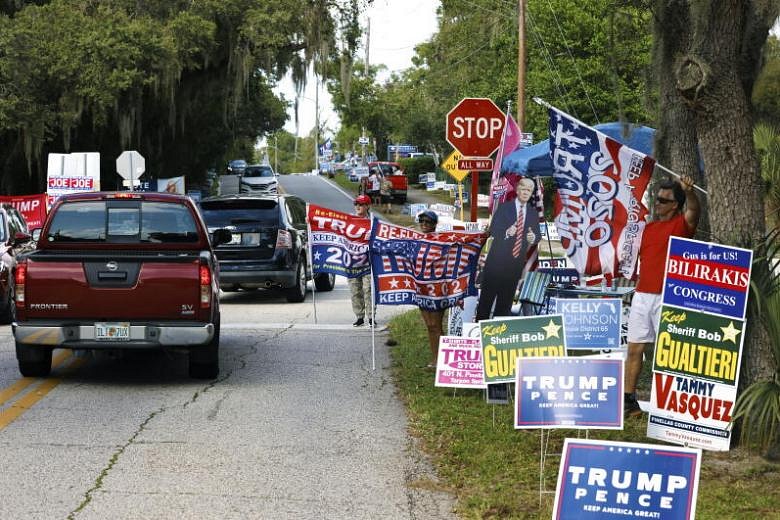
276 154
368 40
521 64
316 121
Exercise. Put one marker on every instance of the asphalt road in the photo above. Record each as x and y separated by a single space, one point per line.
298 424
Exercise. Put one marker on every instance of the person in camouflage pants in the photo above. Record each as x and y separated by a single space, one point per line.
360 287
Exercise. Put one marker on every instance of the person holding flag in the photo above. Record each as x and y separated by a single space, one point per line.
513 227
675 213
360 287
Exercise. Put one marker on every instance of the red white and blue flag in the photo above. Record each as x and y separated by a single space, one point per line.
502 187
339 242
433 271
600 182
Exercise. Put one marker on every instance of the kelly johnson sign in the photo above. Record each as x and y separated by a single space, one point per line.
614 480
698 348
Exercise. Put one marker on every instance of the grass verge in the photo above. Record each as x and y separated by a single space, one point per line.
494 470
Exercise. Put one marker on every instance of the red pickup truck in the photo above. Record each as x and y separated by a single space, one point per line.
392 171
122 270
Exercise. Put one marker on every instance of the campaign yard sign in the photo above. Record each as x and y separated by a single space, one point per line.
614 480
696 366
459 363
581 393
339 242
590 323
506 339
707 277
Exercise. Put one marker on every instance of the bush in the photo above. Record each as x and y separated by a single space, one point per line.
414 167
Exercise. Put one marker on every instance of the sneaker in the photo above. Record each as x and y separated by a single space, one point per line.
358 323
631 406
370 323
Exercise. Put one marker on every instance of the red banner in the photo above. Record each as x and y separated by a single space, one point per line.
32 208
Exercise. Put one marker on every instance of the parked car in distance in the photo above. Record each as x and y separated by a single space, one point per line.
236 166
268 246
357 173
258 179
15 240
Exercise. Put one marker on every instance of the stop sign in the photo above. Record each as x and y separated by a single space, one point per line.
475 127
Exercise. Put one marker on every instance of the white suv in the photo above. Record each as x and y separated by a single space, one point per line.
259 179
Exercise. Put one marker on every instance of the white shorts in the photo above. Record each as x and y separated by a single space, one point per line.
643 318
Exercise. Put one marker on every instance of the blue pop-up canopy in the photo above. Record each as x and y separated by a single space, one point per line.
535 160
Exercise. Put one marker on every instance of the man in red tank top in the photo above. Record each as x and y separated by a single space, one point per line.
675 213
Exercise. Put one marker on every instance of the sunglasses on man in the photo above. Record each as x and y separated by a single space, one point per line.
662 200
427 221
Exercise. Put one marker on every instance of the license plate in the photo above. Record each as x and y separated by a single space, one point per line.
235 240
112 331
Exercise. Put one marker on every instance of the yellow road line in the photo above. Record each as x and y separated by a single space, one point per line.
17 387
26 402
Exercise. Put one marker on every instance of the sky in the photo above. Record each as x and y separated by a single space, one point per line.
396 27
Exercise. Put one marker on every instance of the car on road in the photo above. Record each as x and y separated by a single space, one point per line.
15 240
268 245
258 179
236 167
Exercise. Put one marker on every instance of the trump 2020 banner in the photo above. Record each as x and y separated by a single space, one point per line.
579 392
433 271
591 323
696 365
32 208
707 277
339 242
600 185
459 364
614 480
506 339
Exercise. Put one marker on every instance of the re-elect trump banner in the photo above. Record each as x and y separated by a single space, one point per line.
32 208
591 323
339 242
614 480
580 392
707 277
695 376
460 363
506 339
433 271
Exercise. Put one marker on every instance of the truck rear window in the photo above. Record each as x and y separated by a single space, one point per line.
123 221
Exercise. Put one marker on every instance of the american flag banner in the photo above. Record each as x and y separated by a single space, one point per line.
433 271
537 201
600 182
338 241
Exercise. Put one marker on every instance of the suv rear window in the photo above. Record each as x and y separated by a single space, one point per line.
123 221
223 213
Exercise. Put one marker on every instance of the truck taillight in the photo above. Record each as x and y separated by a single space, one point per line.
283 240
205 287
20 278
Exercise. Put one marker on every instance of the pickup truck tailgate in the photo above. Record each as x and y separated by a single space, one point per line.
113 288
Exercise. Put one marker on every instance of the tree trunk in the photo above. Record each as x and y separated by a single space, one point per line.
713 48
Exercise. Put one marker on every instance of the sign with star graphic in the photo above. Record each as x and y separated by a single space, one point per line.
575 392
591 323
506 339
604 479
698 348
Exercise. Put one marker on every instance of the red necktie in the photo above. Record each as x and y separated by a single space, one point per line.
518 233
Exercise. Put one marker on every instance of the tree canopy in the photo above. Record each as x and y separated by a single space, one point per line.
184 83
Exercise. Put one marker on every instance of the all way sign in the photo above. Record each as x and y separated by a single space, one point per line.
474 164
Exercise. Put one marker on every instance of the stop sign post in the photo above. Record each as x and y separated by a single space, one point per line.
475 127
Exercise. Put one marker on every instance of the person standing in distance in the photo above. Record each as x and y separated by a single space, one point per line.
360 287
514 226
675 213
432 319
